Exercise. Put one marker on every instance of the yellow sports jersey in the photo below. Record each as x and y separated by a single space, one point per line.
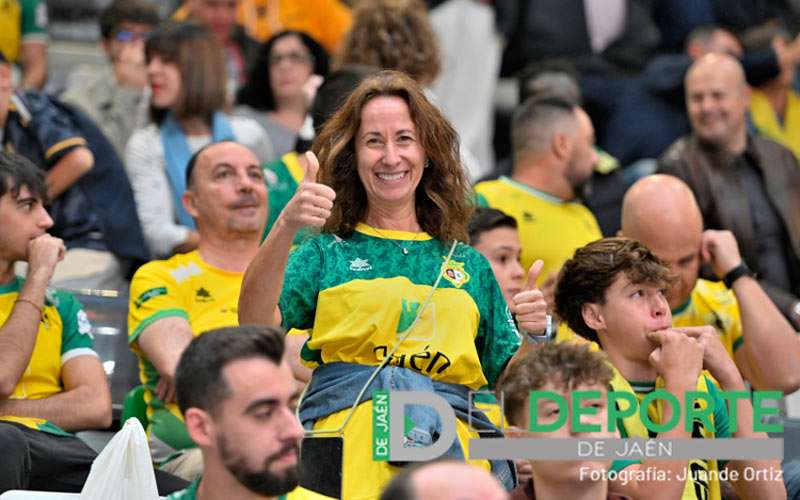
703 483
549 228
298 493
186 287
786 129
566 334
356 296
711 303
64 334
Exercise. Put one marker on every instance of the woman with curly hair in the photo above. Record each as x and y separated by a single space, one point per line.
389 291
274 95
394 34
398 35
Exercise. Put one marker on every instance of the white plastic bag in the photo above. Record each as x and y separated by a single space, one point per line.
123 470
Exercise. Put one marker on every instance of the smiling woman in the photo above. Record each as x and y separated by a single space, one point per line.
386 129
377 287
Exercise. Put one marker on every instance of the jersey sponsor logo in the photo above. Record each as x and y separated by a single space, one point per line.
408 313
714 320
359 265
528 217
202 295
149 294
45 321
183 273
84 326
425 361
454 273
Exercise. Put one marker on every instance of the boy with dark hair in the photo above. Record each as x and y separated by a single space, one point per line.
51 381
494 234
613 292
560 368
238 398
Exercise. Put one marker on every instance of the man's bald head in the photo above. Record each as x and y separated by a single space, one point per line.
445 480
662 213
659 204
717 98
717 63
225 190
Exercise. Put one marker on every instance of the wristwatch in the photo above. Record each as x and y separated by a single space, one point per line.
736 273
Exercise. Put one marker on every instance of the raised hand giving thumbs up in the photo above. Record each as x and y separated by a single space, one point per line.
312 202
529 305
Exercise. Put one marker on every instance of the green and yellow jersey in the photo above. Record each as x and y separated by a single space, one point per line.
64 334
703 481
549 228
711 303
356 296
182 286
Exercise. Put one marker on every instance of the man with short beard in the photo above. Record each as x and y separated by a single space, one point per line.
554 156
174 300
743 183
238 397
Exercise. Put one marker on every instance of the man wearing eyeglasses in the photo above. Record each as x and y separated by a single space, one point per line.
114 97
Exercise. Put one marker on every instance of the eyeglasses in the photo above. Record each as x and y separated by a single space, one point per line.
130 36
292 57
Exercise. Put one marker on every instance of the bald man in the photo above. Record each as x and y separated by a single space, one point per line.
661 212
444 480
174 300
743 183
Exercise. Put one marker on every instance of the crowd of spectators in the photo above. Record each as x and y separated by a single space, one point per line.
337 169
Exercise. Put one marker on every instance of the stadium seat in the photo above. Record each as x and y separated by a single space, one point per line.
135 406
108 312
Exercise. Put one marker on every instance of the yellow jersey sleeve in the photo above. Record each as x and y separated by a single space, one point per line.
154 295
